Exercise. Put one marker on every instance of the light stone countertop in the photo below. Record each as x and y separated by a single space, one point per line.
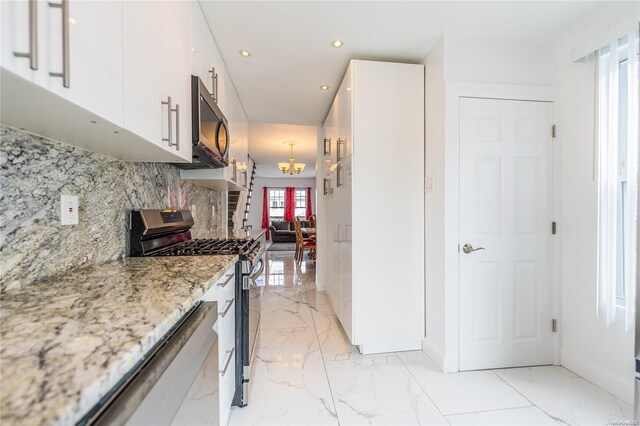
66 341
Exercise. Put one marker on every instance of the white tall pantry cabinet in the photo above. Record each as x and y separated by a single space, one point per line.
371 222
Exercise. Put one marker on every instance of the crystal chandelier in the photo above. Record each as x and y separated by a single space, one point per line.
291 167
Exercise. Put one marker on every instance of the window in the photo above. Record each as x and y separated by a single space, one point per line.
618 75
276 204
301 203
621 198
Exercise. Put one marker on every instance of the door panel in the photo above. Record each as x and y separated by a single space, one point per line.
15 38
505 208
178 71
144 92
95 46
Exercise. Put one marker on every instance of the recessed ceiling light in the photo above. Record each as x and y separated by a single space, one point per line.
336 43
324 87
245 53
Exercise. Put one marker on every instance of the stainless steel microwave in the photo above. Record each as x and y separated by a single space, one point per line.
210 130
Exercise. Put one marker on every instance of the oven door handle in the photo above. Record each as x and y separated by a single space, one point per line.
255 275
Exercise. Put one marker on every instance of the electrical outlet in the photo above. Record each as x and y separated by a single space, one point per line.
193 211
68 210
213 212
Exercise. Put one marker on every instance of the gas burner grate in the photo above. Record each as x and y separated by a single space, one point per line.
204 247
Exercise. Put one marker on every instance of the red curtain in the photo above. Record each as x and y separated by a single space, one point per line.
309 209
265 210
289 203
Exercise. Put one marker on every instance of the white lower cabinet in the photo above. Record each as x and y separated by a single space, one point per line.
223 292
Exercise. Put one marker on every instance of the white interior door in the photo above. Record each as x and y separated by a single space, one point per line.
505 208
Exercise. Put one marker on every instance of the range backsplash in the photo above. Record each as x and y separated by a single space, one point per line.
35 171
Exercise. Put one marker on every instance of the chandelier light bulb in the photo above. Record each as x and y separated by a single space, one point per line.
291 167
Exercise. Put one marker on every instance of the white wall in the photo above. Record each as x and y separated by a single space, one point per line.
455 67
434 343
255 210
486 68
604 355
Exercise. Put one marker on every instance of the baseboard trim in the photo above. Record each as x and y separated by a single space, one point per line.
433 352
381 348
618 386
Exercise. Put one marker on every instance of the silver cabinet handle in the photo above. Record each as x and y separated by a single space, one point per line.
339 150
227 281
235 171
169 109
228 361
33 36
468 248
215 87
66 79
214 84
226 308
177 111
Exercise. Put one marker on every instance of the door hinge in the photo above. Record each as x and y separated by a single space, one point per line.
553 228
554 325
553 131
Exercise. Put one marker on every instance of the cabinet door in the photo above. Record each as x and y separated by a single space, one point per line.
16 31
177 31
94 49
202 46
234 117
144 114
346 308
222 91
345 96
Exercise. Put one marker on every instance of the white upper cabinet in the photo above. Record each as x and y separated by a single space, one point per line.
202 48
74 50
157 69
177 34
119 71
19 38
144 91
89 64
207 58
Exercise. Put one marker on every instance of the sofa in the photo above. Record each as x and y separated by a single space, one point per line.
282 231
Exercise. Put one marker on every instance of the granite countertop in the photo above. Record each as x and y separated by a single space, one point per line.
67 340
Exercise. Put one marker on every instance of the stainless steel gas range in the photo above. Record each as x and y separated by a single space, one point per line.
167 233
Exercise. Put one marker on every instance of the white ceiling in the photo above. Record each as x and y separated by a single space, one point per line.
291 52
268 147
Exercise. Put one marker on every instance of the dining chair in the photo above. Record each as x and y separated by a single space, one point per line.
302 244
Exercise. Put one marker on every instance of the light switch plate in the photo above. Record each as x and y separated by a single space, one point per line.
69 209
428 184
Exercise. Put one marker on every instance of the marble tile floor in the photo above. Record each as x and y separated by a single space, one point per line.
307 373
